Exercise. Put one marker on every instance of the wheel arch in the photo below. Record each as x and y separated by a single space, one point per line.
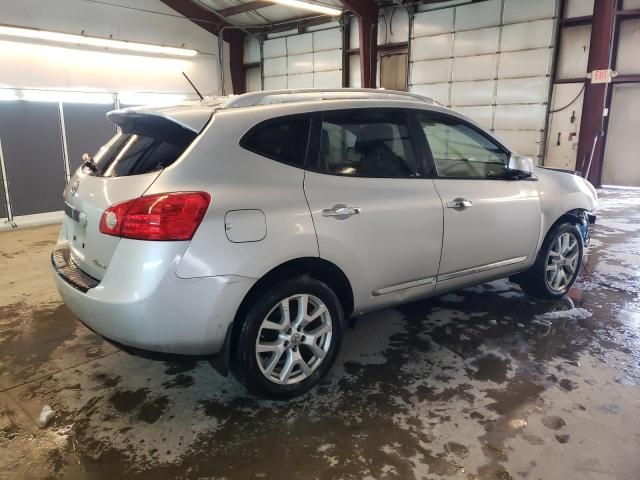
315 267
575 216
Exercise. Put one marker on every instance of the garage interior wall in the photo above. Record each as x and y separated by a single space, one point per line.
491 61
621 121
393 36
568 89
46 85
308 60
621 165
50 66
3 195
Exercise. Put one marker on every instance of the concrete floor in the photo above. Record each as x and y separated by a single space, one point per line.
481 384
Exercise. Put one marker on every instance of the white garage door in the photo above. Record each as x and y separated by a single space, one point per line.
621 164
491 61
310 60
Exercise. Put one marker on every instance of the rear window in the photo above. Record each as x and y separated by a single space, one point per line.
144 144
282 139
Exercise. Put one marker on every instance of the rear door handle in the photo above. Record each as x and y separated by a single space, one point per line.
340 211
460 203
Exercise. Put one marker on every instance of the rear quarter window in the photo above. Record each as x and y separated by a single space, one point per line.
283 139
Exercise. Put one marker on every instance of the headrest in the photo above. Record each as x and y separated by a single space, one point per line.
373 133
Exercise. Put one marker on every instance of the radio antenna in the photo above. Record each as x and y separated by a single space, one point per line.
193 86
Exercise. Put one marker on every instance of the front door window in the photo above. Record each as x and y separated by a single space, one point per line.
460 151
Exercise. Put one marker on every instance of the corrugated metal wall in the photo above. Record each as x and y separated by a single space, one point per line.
491 61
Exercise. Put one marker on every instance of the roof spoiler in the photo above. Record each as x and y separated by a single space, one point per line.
191 117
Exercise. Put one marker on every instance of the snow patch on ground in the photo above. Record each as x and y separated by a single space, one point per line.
619 225
572 314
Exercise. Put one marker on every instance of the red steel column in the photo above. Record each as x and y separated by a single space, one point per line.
368 51
367 13
215 24
592 124
236 59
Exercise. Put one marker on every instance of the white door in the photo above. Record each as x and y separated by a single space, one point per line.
491 224
621 165
375 214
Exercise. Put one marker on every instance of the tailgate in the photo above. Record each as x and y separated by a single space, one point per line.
87 197
123 169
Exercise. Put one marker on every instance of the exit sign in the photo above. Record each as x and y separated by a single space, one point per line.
601 76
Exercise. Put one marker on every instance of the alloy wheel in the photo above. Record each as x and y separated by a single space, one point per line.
293 339
562 262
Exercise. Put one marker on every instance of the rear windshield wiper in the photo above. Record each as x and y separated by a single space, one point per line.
87 161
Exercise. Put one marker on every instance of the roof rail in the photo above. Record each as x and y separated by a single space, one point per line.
313 94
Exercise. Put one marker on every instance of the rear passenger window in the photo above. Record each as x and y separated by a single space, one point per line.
282 139
367 143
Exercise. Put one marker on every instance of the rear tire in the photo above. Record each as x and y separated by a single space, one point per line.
288 338
557 265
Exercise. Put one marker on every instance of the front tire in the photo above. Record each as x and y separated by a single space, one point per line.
557 265
288 338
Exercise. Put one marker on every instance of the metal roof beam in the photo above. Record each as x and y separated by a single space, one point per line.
243 7
217 25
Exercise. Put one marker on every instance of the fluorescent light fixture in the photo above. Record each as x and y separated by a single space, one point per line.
95 41
144 98
67 97
7 94
313 7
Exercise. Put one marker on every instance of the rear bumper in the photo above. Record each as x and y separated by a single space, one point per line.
143 304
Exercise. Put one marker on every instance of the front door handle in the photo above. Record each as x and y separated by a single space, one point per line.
460 203
340 211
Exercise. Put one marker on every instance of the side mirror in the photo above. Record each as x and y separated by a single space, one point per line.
520 165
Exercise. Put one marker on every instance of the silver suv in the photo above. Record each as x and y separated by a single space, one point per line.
251 227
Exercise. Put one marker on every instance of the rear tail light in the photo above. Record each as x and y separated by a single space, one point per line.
166 216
